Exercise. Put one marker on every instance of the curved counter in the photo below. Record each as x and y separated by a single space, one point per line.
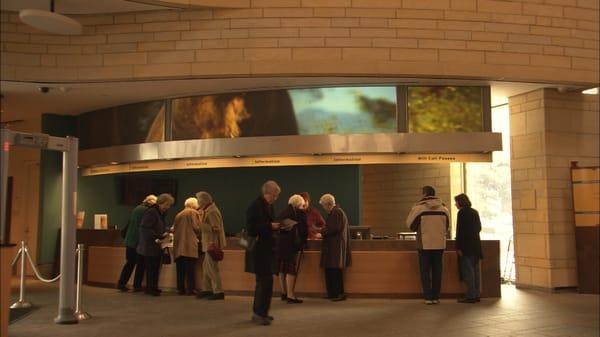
380 268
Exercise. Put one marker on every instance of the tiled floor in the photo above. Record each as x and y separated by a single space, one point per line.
518 313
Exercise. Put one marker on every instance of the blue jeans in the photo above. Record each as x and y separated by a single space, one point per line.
430 262
469 268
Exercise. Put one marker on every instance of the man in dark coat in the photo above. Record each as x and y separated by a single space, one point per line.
336 253
152 230
261 261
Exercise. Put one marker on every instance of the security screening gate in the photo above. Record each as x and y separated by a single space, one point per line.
69 146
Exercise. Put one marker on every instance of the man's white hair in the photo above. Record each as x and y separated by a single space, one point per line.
191 203
271 187
327 200
296 200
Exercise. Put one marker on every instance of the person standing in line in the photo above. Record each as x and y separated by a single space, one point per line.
431 220
314 219
186 230
261 261
291 239
152 231
468 247
336 253
133 260
213 232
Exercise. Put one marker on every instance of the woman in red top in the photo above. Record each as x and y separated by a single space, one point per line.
314 219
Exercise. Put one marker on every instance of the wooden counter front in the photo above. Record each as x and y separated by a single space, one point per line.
379 268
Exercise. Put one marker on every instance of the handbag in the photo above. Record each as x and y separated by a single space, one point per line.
215 252
247 242
165 258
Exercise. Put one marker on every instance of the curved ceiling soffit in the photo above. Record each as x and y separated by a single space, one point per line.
196 3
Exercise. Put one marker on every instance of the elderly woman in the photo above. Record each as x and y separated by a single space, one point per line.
152 229
291 238
186 230
213 233
260 224
314 219
335 249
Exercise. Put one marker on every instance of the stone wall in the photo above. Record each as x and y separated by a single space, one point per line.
510 40
548 131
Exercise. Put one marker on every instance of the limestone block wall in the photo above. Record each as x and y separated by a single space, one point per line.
548 131
528 40
389 192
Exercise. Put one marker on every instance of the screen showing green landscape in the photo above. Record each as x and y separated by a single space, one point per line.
445 109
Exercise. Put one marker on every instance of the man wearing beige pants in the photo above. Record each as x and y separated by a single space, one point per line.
212 233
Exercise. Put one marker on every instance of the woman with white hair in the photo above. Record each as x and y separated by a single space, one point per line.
291 238
335 249
186 229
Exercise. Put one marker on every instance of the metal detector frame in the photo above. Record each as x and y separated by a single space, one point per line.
69 146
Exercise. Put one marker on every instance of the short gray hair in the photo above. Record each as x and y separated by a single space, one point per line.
191 203
165 198
204 198
270 187
327 200
296 200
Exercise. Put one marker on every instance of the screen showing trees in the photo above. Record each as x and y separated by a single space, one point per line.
445 109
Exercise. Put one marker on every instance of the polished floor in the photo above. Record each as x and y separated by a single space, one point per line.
519 313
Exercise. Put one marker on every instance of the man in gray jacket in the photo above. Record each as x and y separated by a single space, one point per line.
431 220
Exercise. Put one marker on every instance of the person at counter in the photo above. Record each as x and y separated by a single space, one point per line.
336 253
152 230
132 259
468 247
260 261
213 233
186 230
314 219
431 220
291 238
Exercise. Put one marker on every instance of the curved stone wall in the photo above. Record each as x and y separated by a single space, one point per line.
553 41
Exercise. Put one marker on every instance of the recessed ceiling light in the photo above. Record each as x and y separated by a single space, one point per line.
591 91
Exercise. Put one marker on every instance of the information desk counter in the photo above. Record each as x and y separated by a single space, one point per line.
380 268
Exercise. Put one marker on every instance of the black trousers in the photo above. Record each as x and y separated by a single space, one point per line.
334 281
262 294
132 260
186 273
152 272
430 262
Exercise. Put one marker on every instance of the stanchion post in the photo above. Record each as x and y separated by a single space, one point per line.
79 313
66 296
21 303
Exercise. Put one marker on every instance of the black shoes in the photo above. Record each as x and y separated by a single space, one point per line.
262 320
155 292
294 300
122 289
284 297
203 294
339 298
468 300
215 297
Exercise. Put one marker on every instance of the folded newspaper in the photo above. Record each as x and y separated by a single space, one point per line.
287 223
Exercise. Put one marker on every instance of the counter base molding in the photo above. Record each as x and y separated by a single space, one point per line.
374 273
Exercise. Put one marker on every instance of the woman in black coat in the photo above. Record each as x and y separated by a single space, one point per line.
260 224
468 247
152 229
290 240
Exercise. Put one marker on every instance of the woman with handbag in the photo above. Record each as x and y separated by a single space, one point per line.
213 242
291 238
152 231
186 230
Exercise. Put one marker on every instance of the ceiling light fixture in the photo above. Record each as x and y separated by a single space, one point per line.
590 91
50 21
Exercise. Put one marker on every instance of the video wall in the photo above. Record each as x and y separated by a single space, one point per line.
310 111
